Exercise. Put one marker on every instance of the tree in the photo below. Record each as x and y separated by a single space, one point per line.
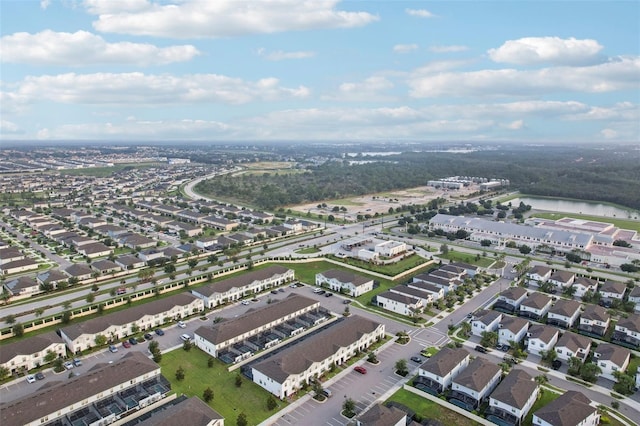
548 356
372 358
154 346
346 312
524 249
66 317
589 372
100 339
10 319
187 345
169 268
18 329
444 249
349 406
485 243
207 395
574 366
242 419
90 298
4 372
489 338
316 386
180 373
50 356
541 379
465 328
401 367
238 380
271 403
625 383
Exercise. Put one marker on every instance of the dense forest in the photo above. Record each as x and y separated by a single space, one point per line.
611 175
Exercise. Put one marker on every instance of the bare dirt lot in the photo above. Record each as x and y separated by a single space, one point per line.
380 203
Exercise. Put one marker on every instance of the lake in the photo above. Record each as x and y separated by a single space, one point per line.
578 207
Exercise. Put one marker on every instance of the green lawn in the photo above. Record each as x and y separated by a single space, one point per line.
544 399
456 256
391 269
429 409
620 223
228 400
634 363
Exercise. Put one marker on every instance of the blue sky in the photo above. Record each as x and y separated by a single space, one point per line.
224 70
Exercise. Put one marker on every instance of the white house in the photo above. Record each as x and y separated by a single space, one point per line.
571 408
611 358
399 303
284 373
627 330
535 306
512 329
485 321
476 382
634 297
541 338
424 297
510 299
612 290
538 274
514 397
390 248
344 282
564 313
436 292
594 320
31 352
439 371
562 279
582 285
573 345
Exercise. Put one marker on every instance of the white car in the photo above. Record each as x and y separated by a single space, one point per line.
245 302
182 324
31 378
68 365
185 338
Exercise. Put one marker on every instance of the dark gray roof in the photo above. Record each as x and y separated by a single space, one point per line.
543 332
514 293
565 307
299 357
515 389
252 320
536 300
569 409
613 287
379 415
478 374
346 277
585 281
539 270
595 313
51 399
242 280
28 346
573 341
77 270
513 324
190 412
562 276
487 317
444 361
616 354
51 276
400 298
632 322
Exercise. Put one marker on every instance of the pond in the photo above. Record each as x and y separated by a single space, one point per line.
577 207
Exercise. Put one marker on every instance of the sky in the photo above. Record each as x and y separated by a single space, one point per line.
320 70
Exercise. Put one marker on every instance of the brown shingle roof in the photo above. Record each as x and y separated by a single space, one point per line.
513 324
536 300
28 346
242 280
631 323
444 361
569 409
542 332
515 389
514 293
595 313
478 374
573 341
379 415
190 412
565 307
613 353
613 287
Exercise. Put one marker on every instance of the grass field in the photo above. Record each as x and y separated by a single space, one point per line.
456 256
269 165
620 223
228 400
546 397
429 409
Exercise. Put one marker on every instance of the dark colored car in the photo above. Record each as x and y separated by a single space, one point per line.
361 370
416 359
328 294
39 376
159 332
77 362
274 291
556 364
346 301
481 349
148 336
133 341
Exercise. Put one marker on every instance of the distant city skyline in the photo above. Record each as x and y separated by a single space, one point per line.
231 70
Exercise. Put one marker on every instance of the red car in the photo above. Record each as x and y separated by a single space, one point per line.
361 370
126 344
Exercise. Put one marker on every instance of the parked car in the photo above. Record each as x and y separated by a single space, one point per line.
181 324
159 332
346 301
112 348
322 291
481 349
68 365
148 336
31 378
133 341
328 294
77 362
556 364
126 344
39 375
360 369
499 346
327 393
416 359
505 348
274 291
281 290
245 302
185 337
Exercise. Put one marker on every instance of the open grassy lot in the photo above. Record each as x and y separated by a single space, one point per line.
229 400
391 269
429 409
456 256
620 223
269 165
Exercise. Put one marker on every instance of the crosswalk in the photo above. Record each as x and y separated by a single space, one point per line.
429 337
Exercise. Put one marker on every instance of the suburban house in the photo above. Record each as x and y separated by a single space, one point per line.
535 306
51 278
573 345
443 283
437 293
571 408
344 282
564 313
284 373
10 254
17 266
612 290
390 248
257 322
475 383
105 266
509 300
562 279
627 331
78 271
29 353
436 374
183 411
94 397
611 358
380 415
115 326
634 297
485 321
584 284
94 250
594 321
399 303
541 338
128 262
538 274
424 297
240 286
23 286
513 398
512 329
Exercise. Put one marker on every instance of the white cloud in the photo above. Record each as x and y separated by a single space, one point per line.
83 48
141 89
8 128
552 50
515 125
44 4
608 133
420 13
279 55
222 18
448 49
617 74
405 48
368 90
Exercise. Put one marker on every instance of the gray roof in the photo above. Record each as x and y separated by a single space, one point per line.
585 281
299 357
569 409
242 280
515 389
51 276
127 316
478 374
51 399
20 283
573 341
379 415
562 276
632 322
252 320
539 270
616 354
28 346
400 298
613 287
444 361
487 317
77 270
514 293
536 301
513 324
189 412
346 277
543 332
595 313
565 307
